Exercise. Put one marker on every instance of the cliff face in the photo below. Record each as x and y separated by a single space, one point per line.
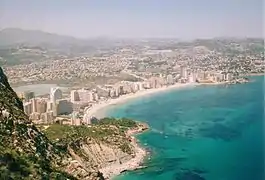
98 154
97 147
25 152
11 94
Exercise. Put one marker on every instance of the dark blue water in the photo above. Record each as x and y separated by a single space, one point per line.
201 133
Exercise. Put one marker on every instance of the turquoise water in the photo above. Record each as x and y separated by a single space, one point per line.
201 133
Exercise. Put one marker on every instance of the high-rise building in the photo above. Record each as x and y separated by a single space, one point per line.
41 105
126 89
47 117
34 105
140 86
170 79
74 96
55 94
112 93
63 106
49 105
183 72
156 82
121 89
82 95
116 91
137 86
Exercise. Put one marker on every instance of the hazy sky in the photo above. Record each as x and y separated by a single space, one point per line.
136 18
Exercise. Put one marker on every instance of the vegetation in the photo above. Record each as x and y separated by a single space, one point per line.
28 153
124 122
107 130
25 152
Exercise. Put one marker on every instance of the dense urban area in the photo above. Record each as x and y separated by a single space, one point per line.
97 70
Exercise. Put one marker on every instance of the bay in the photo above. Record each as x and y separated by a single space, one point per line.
201 133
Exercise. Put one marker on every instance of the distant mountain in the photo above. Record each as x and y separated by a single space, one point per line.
12 36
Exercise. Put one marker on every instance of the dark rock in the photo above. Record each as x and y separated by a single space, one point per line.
4 82
26 152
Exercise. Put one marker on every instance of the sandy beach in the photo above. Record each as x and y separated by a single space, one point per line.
94 111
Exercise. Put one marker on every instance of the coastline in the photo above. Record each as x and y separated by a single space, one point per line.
114 170
226 161
94 110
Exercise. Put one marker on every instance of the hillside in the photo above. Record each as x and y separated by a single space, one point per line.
12 36
25 153
18 46
59 151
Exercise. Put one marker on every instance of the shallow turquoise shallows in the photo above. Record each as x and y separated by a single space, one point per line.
201 133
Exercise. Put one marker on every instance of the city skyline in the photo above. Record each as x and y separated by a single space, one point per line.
126 19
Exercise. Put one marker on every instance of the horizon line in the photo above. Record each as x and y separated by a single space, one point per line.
132 38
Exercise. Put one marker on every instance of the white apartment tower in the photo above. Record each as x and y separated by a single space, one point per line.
55 94
74 96
170 79
82 95
183 72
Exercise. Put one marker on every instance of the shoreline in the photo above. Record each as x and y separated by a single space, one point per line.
94 110
114 170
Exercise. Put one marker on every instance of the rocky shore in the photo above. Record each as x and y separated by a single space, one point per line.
108 147
135 163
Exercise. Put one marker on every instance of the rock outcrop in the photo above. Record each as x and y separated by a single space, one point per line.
25 152
58 152
5 86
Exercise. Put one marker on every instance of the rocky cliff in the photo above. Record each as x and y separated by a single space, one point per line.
25 152
59 151
102 145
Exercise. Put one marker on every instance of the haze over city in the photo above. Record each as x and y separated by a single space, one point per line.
82 81
187 19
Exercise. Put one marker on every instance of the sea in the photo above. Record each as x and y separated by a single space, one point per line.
207 132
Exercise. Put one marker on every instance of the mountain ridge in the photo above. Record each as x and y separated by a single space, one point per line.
11 36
